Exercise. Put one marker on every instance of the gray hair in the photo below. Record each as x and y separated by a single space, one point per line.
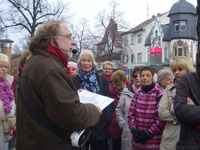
107 63
90 53
162 75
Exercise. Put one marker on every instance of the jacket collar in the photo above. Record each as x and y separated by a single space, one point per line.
41 51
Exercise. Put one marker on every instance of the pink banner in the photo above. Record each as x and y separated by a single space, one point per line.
156 50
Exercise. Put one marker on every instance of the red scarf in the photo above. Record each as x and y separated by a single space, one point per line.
108 77
60 55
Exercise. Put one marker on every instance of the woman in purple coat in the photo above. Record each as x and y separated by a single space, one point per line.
143 120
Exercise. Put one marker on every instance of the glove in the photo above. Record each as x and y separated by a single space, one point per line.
140 136
148 134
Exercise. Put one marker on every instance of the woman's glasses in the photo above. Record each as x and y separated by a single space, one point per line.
135 76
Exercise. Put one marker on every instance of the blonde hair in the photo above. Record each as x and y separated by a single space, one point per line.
4 58
107 63
183 63
23 57
90 53
118 77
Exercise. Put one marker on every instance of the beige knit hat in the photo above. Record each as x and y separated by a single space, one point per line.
4 58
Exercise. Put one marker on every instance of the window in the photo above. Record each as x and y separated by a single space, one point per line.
127 58
5 51
132 39
180 25
166 52
183 25
132 58
5 45
156 35
139 38
185 51
125 41
180 51
139 57
176 24
175 51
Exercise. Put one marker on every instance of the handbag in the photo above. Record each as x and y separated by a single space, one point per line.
8 123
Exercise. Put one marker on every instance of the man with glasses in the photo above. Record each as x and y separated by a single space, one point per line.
48 105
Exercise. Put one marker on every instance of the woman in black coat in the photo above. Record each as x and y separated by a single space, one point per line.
187 111
88 79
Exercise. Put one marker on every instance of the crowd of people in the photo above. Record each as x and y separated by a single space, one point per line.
146 114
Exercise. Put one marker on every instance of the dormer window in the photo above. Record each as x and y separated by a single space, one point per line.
180 25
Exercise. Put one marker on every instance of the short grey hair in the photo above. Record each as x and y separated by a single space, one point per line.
107 63
162 75
90 53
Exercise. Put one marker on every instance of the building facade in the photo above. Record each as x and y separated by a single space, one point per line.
110 48
6 48
157 41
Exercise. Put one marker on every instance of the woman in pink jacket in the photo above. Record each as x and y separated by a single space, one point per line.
143 120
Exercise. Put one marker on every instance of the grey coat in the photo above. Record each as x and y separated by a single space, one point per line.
166 112
122 118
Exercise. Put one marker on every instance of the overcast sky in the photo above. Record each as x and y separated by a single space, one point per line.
135 11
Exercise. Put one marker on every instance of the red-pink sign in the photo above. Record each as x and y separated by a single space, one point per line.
153 54
156 50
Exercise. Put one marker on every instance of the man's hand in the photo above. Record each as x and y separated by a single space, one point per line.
99 109
190 101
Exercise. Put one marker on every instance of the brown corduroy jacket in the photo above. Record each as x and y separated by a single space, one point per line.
48 89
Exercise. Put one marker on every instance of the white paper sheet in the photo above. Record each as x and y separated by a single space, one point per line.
93 98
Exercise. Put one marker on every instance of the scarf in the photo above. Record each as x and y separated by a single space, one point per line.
60 55
6 96
108 77
147 88
89 81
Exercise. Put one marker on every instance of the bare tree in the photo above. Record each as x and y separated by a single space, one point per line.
111 24
84 37
29 14
16 49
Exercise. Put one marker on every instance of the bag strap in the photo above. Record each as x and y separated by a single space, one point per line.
45 122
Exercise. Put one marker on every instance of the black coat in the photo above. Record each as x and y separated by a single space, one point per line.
101 130
188 115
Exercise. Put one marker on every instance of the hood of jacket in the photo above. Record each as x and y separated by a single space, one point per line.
127 92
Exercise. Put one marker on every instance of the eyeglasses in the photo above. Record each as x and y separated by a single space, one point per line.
68 36
107 68
135 76
4 66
